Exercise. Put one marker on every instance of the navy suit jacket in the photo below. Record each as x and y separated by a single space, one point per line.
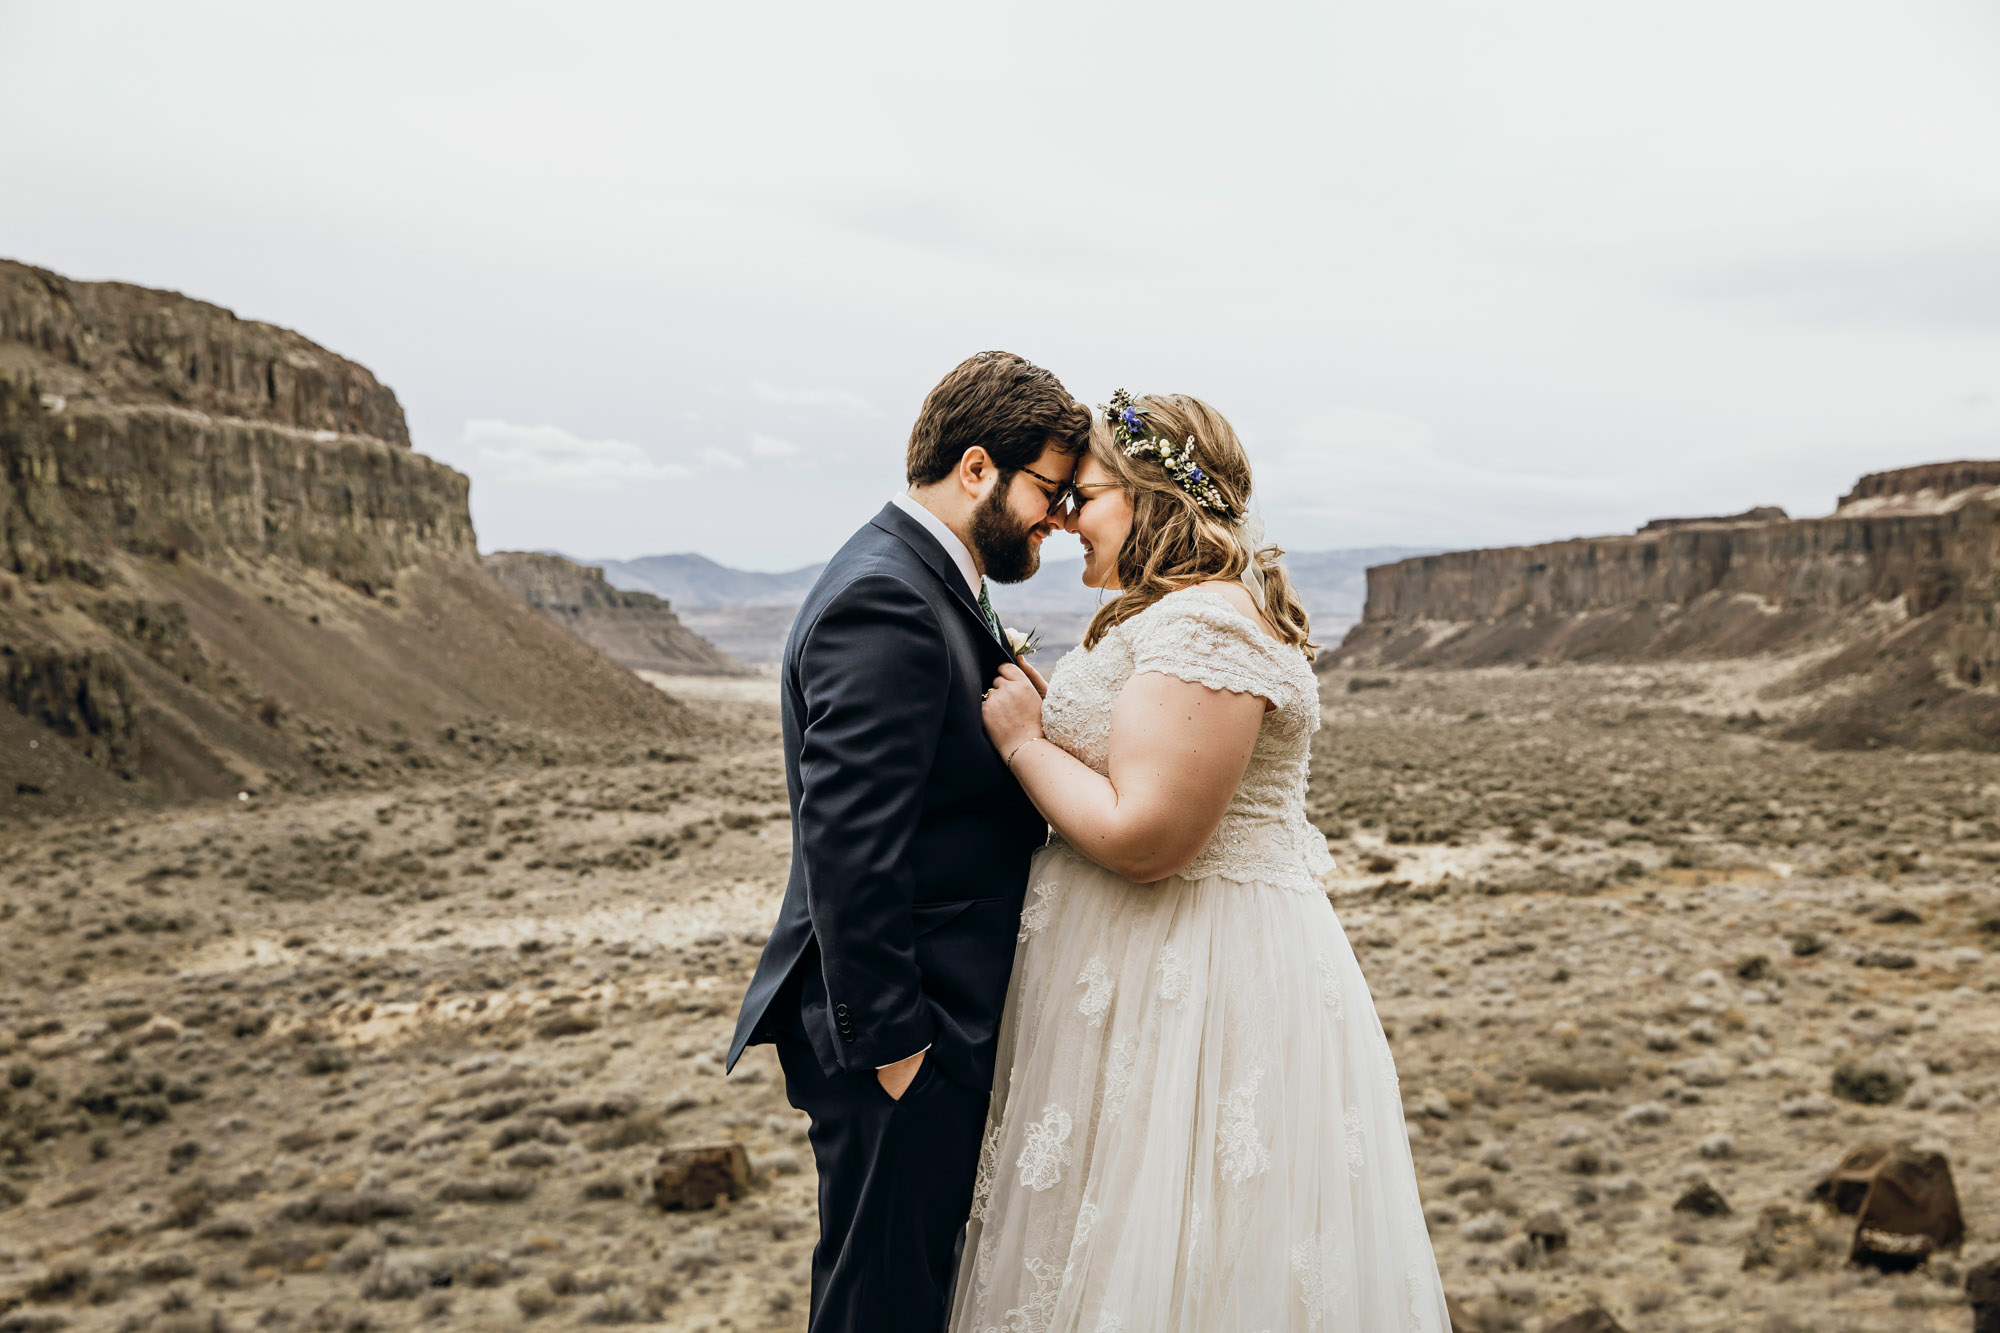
910 838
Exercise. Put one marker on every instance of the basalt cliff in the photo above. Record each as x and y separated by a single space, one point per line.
224 569
1893 595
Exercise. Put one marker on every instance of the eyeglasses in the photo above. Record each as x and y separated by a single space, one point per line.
1064 491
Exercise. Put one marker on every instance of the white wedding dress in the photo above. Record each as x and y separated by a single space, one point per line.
1196 1126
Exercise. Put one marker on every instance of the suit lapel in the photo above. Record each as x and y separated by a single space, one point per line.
901 526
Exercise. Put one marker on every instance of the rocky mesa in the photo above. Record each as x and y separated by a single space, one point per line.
1893 594
634 629
223 568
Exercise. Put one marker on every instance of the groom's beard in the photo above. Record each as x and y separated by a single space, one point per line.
1005 544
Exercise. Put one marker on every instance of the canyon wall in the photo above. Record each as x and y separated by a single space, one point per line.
1903 577
111 342
223 568
634 629
82 479
147 423
1928 487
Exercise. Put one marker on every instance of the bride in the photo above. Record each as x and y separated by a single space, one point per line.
1196 1126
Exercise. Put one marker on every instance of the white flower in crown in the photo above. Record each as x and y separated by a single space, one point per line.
1129 430
1024 644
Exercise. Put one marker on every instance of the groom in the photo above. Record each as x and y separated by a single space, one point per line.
883 980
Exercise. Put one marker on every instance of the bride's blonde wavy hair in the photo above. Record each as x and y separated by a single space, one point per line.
1175 543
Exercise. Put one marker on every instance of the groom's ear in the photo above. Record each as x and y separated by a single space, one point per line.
977 473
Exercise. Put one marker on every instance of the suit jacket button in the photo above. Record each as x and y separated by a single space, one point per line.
840 1009
847 1037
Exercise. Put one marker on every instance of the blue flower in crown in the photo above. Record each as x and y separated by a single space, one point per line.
1128 429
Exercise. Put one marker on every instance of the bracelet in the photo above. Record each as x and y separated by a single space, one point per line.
1009 760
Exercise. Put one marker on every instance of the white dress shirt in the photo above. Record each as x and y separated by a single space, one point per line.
948 539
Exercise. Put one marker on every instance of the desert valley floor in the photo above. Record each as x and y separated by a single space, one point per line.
405 1059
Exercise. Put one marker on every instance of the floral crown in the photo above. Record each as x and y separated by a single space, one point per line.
1129 430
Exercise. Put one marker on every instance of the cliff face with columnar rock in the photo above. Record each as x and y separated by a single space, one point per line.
223 568
114 342
1898 585
147 423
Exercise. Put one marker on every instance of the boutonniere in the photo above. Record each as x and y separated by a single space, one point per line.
1024 645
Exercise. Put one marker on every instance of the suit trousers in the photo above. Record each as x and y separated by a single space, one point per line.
895 1186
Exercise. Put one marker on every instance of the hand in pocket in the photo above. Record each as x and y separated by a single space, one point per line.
896 1079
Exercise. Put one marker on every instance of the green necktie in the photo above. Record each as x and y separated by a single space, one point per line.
992 620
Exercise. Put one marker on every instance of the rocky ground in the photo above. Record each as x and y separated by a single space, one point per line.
405 1059
1626 945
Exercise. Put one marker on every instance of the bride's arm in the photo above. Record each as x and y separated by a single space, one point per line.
1178 751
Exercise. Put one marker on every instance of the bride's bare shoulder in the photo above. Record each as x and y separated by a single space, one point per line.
1238 596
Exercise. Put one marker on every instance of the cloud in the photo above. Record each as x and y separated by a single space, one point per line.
770 446
830 400
715 457
553 457
1372 472
1949 287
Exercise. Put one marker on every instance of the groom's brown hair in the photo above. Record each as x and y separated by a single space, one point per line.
1004 403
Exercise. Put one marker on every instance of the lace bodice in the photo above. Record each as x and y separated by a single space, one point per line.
1197 635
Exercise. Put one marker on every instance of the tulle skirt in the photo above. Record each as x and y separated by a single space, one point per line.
1196 1126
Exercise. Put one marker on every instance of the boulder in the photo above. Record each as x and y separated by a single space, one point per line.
1903 1202
1982 1290
695 1177
1912 1200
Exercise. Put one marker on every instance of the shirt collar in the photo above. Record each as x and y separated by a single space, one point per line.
946 538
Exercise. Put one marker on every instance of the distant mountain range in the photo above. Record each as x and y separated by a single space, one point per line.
747 613
1332 584
689 580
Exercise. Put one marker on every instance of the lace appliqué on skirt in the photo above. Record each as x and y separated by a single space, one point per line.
1175 975
1035 916
1096 1001
1118 1077
1238 1150
989 1170
1329 985
1045 1149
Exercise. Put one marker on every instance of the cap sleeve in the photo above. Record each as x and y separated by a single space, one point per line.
1197 636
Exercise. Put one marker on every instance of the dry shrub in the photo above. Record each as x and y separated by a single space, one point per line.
649 1127
1573 1078
64 1279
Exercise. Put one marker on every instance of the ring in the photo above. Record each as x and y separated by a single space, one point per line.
988 694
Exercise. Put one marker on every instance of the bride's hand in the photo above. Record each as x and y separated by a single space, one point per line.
1034 677
1012 711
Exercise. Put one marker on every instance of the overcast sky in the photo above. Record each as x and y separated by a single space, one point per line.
675 277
